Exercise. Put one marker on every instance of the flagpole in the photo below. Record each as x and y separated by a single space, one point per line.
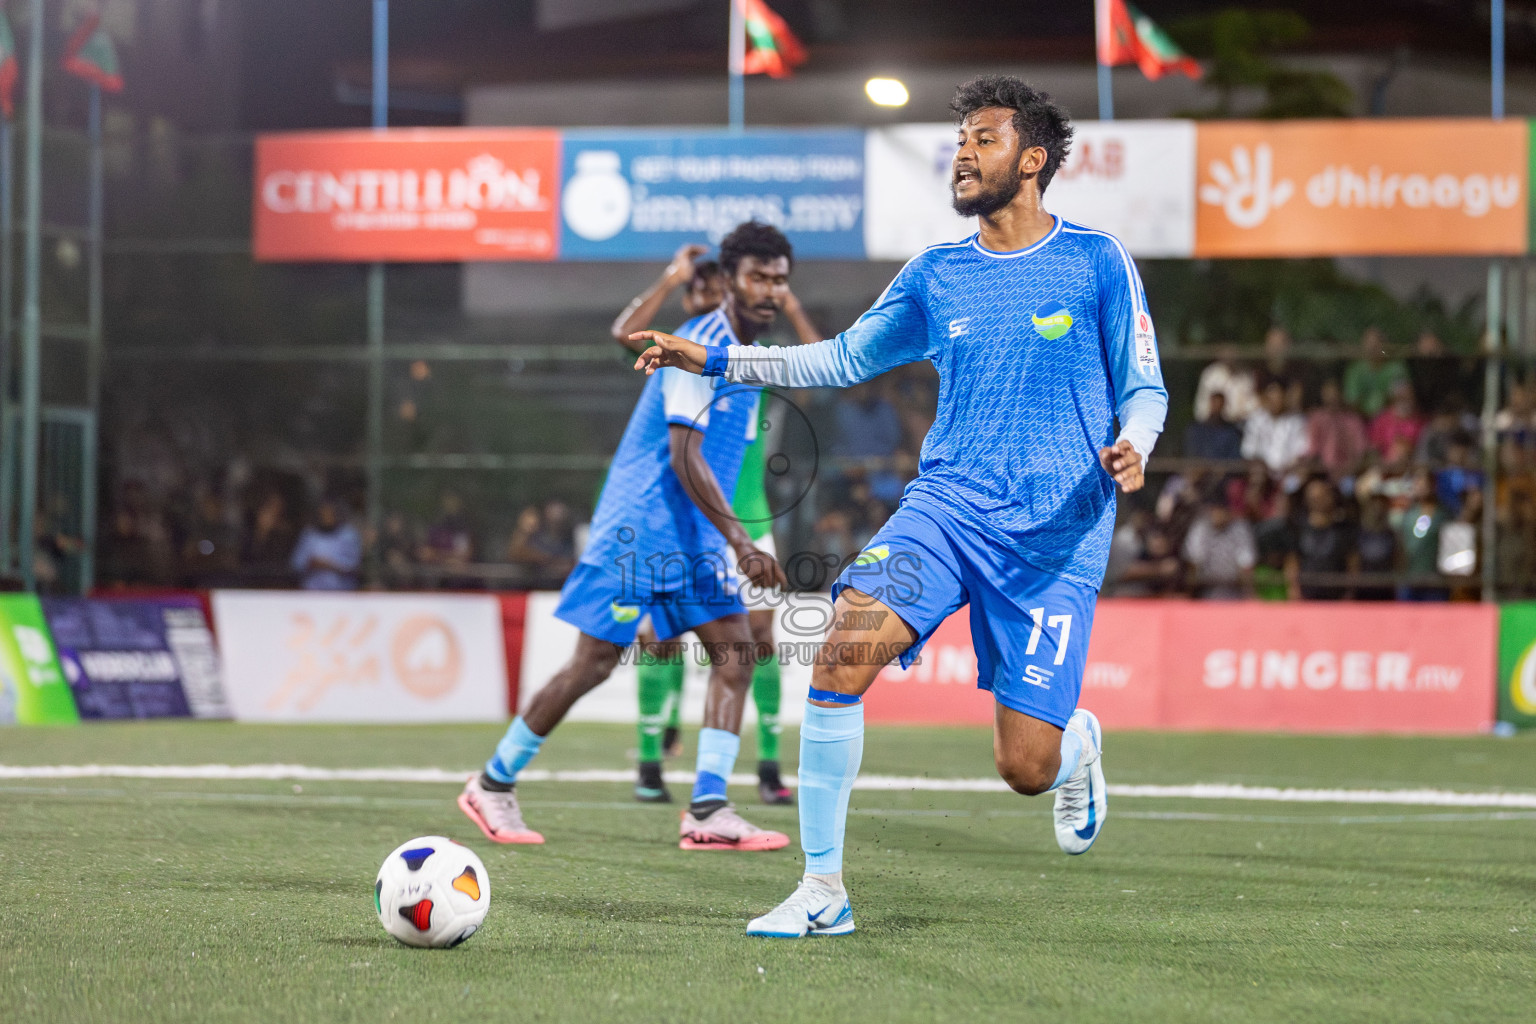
1496 16
7 337
737 60
1106 78
31 311
375 427
93 351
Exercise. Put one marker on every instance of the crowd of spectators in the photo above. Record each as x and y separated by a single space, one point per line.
266 539
1298 483
1311 480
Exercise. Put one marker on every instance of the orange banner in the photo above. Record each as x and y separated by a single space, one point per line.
1306 667
1336 188
407 195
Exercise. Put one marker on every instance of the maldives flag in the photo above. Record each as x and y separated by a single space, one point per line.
1126 36
9 69
774 50
91 55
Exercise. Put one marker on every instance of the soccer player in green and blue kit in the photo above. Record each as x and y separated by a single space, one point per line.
1040 334
664 543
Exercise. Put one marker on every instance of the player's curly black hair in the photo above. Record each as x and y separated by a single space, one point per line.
1039 120
753 238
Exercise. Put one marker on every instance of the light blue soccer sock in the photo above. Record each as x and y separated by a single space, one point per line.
831 747
514 752
1071 755
717 757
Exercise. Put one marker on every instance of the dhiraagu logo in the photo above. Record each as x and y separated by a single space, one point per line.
1052 320
623 612
872 555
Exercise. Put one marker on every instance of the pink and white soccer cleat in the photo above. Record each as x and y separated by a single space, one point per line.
496 813
727 830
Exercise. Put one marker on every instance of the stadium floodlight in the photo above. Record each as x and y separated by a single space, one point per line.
886 92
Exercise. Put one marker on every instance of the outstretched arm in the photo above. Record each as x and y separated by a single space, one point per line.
892 333
643 308
703 490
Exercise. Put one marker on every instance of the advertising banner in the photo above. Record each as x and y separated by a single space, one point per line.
1120 683
1517 664
33 690
313 657
1134 179
140 658
414 194
1245 666
640 195
549 642
1329 667
1366 187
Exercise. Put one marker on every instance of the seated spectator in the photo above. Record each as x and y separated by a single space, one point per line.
1459 475
1214 437
1400 420
1391 478
868 427
1324 543
1515 478
1369 380
329 551
210 554
449 544
1296 377
1274 538
1428 345
1375 547
1273 435
1221 553
1419 536
1155 571
1516 546
1517 420
397 551
557 536
1226 376
1335 434
269 541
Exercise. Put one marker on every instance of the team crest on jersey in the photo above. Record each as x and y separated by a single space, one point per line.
1052 320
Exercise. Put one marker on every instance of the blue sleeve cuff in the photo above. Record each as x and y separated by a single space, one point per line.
717 360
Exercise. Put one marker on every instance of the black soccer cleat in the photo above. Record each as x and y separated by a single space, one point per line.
770 787
649 787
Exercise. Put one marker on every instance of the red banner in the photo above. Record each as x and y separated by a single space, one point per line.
407 195
1417 668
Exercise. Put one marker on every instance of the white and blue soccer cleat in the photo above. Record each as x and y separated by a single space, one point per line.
1081 801
814 908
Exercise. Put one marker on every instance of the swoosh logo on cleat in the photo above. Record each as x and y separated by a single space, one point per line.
811 916
1086 832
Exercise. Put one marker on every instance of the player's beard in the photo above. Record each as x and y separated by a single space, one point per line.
991 196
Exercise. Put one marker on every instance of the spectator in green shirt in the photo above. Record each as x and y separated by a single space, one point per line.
1419 534
1368 381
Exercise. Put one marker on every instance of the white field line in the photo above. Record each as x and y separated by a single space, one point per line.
888 783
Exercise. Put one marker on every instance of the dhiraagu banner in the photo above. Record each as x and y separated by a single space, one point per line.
1517 664
33 690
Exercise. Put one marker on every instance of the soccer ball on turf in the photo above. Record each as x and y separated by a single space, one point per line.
432 891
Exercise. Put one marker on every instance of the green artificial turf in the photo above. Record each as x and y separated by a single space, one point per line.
184 900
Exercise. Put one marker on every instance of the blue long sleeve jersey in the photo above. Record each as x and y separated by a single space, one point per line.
1039 352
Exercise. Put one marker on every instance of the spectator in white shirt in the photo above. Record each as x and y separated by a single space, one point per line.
1221 553
1273 436
1226 377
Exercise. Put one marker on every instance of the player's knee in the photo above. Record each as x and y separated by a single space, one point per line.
850 679
1025 776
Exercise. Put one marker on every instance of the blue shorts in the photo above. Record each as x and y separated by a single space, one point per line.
1030 628
601 602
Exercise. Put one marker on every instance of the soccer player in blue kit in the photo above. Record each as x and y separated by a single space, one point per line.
665 543
1040 334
